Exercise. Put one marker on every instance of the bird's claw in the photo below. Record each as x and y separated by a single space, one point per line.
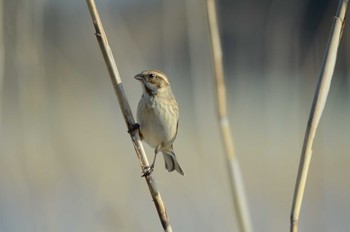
134 127
147 170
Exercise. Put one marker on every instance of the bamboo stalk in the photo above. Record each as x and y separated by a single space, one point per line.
317 108
128 117
236 181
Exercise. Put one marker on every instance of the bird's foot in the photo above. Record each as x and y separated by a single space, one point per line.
147 170
133 128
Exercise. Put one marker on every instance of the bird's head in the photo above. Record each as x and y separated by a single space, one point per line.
153 81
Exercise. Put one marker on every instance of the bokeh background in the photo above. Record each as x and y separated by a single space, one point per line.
67 163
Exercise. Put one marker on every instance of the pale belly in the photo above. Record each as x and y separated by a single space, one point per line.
158 128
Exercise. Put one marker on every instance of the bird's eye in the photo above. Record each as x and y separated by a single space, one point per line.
151 75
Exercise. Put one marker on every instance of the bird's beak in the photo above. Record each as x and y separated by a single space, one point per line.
139 77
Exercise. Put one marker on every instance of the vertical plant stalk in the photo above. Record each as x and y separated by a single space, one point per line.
237 187
2 58
317 108
126 111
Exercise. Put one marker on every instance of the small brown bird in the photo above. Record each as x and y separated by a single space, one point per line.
158 117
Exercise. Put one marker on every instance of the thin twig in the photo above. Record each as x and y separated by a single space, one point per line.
128 117
317 108
237 187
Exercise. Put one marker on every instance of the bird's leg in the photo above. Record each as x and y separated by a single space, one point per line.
148 170
133 128
155 156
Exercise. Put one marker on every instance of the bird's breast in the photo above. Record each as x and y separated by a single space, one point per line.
158 121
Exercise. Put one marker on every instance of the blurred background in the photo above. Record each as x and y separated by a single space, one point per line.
67 163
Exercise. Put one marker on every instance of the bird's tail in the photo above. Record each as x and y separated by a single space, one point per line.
171 163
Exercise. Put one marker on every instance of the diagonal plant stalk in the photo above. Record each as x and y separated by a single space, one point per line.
236 181
317 108
128 117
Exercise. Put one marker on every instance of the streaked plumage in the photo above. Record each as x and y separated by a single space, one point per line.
158 116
